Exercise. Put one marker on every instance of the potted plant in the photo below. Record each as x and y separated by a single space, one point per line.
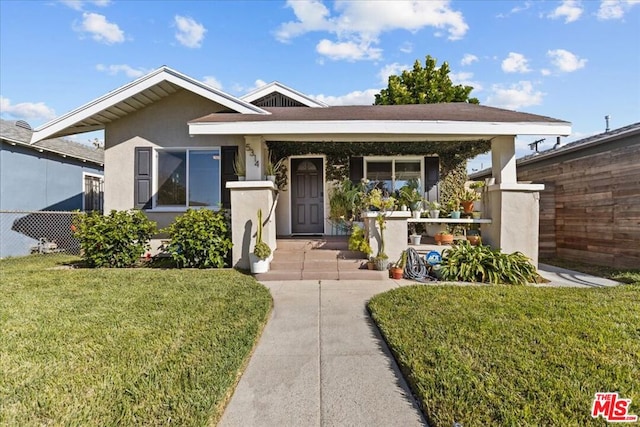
477 186
259 258
454 208
408 195
414 237
467 198
434 209
240 166
381 259
444 238
271 169
397 271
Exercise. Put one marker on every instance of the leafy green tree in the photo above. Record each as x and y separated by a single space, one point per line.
424 85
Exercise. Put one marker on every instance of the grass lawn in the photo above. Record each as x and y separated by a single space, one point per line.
499 355
122 346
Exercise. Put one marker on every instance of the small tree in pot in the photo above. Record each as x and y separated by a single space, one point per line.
261 251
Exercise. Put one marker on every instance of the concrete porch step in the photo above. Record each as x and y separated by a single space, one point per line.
318 259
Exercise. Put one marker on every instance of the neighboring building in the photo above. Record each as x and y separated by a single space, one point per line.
50 175
171 141
590 207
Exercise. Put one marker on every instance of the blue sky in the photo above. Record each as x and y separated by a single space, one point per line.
573 60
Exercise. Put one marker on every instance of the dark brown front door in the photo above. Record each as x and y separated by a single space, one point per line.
307 201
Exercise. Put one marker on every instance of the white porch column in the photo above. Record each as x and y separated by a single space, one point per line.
514 210
255 157
246 198
503 159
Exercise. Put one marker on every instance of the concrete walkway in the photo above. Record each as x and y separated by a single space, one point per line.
562 277
322 362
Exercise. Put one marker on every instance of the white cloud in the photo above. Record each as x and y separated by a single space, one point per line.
515 63
406 47
79 4
242 90
570 10
390 70
517 95
615 9
465 78
545 72
365 97
122 68
357 25
348 50
26 110
212 81
190 33
468 59
566 61
100 29
516 9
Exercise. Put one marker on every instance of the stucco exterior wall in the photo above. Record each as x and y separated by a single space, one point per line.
162 124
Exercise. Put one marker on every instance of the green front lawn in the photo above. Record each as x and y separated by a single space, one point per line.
499 355
122 346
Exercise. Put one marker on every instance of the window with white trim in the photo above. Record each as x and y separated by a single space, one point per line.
187 178
390 174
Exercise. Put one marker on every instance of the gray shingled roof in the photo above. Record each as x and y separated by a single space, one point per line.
455 111
580 144
9 131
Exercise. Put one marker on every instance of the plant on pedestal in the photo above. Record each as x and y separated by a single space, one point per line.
240 166
381 259
261 251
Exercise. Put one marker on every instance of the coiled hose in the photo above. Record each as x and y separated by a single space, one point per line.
417 268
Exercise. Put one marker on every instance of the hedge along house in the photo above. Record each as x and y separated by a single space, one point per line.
170 144
590 206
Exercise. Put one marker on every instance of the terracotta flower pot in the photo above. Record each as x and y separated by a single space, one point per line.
397 273
474 240
444 239
467 206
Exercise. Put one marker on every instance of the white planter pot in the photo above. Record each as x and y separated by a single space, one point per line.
416 214
415 239
242 178
434 213
258 265
271 178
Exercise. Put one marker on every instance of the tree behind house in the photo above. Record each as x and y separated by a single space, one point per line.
424 85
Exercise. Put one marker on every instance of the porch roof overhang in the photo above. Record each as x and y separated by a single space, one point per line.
134 96
449 121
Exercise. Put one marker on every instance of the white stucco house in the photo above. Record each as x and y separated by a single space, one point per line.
170 143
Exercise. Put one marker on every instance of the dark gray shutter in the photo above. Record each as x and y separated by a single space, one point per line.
142 178
432 178
228 155
356 169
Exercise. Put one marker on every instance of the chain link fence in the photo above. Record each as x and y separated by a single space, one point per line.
23 233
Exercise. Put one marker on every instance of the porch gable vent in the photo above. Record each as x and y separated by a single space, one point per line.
276 99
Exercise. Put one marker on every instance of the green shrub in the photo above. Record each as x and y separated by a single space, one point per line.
200 238
358 241
115 240
467 263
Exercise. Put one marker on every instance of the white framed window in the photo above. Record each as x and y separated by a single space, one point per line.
187 178
392 173
92 192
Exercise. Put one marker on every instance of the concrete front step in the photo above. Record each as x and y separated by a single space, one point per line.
318 259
